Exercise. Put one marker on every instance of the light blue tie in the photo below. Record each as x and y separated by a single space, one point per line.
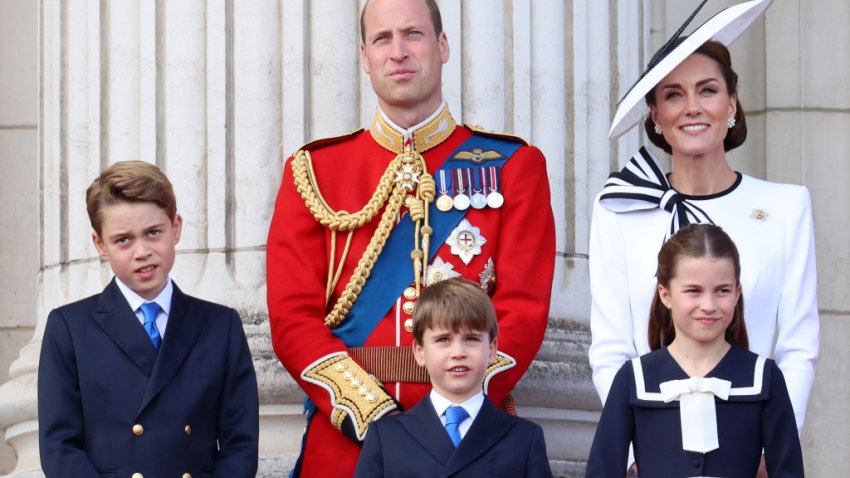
454 417
150 310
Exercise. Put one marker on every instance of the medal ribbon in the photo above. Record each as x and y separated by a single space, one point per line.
387 280
494 178
444 187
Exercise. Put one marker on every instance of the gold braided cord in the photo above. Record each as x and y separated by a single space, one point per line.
405 174
343 257
305 181
364 267
333 279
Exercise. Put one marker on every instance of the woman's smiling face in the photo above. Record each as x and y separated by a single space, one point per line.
693 106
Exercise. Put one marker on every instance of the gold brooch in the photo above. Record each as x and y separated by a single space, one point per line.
759 215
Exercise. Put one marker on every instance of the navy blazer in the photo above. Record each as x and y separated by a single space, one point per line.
415 444
110 405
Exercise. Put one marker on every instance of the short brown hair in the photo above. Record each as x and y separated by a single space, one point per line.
695 240
129 181
456 304
436 18
737 134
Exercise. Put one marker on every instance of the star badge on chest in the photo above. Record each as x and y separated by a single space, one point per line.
466 241
440 270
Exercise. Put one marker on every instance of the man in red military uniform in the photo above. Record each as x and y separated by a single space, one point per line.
364 221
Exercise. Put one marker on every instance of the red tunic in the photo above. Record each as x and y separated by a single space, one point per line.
520 241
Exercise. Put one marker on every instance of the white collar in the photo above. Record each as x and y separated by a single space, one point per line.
471 405
136 301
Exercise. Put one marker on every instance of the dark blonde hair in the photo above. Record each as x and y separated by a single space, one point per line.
455 304
129 181
697 241
737 134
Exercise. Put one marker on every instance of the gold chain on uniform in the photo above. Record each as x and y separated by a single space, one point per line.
397 181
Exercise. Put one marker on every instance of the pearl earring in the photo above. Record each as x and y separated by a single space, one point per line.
658 129
730 122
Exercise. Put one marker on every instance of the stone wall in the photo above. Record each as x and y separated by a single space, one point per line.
218 92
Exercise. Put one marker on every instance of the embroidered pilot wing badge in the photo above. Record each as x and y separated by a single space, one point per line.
478 155
466 241
439 270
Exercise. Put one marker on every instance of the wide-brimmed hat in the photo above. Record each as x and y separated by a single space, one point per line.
725 27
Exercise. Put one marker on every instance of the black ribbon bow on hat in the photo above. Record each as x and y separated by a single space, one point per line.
643 185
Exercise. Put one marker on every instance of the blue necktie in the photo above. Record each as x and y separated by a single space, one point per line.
150 310
454 417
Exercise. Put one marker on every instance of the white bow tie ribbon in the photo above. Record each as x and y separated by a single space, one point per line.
696 409
643 185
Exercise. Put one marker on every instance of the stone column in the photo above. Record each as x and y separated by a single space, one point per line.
18 194
807 141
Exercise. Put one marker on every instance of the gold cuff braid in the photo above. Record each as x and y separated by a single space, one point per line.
354 392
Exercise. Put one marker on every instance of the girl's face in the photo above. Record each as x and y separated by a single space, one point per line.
701 297
692 105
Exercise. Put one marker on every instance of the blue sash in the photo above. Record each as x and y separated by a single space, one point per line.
393 271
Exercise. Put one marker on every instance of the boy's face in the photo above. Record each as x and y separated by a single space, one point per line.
138 240
456 361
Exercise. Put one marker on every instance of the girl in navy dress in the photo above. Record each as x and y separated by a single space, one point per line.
700 404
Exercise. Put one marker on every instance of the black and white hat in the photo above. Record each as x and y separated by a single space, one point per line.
725 27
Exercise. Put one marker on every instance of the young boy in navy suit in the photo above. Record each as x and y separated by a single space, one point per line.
142 380
455 431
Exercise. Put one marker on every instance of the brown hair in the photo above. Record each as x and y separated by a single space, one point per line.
738 133
456 304
695 240
433 8
129 181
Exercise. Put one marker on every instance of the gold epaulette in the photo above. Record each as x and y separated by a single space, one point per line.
492 134
318 143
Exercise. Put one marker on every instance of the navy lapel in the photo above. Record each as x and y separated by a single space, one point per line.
423 424
489 426
184 326
121 324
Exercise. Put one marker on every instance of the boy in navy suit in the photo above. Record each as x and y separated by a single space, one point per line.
455 431
142 380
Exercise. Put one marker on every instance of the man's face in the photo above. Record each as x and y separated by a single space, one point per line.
403 56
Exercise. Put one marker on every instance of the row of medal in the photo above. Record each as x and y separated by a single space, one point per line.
464 187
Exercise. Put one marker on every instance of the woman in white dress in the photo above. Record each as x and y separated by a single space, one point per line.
691 97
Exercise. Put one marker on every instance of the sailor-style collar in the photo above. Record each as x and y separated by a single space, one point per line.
429 133
748 376
739 375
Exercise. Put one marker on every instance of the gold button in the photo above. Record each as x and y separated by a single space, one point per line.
370 397
188 430
410 293
186 475
408 307
138 475
138 430
356 382
363 390
408 325
347 375
340 366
